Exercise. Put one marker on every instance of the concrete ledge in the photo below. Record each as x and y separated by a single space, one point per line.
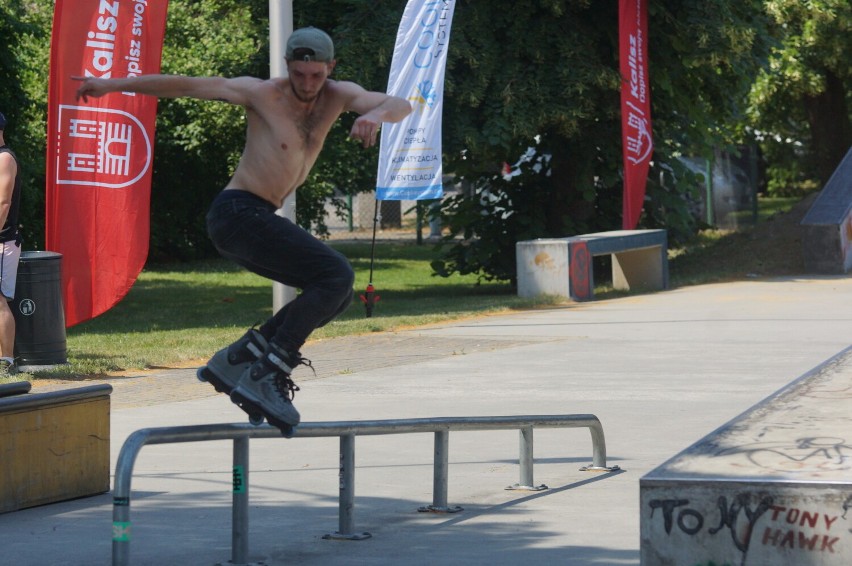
771 487
563 266
54 446
16 388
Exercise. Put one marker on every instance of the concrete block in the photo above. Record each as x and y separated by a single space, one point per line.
564 267
542 267
54 446
772 487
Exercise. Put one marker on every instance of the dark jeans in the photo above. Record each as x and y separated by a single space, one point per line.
245 229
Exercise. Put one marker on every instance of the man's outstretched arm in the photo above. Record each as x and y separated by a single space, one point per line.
169 86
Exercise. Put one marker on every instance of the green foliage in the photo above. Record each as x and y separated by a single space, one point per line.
490 215
673 200
198 142
801 102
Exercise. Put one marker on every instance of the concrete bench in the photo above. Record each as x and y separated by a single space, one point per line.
54 446
563 266
773 486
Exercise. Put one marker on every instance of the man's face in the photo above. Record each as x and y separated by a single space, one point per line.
308 77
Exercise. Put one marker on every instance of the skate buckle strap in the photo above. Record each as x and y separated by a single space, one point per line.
256 352
281 364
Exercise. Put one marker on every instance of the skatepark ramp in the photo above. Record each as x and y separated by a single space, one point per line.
346 431
827 227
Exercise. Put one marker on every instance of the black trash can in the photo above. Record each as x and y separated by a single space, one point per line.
38 310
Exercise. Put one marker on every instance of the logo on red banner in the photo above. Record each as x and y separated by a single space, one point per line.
100 147
637 135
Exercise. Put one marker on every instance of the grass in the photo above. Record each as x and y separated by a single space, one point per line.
178 315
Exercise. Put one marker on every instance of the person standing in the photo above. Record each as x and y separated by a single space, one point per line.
10 248
288 120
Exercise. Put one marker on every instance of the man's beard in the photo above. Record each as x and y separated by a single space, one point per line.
303 98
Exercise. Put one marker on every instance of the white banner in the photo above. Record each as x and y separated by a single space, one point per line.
410 157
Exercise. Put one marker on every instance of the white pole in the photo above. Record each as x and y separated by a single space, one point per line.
280 28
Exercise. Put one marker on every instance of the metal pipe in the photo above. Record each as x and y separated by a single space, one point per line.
240 510
346 430
441 476
346 504
441 466
121 497
346 497
198 433
526 462
598 450
525 455
280 29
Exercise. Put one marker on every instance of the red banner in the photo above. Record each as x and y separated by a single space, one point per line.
100 152
637 142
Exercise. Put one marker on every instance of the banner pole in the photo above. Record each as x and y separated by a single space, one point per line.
280 28
373 243
370 298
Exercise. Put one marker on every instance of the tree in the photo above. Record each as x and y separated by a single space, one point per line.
545 73
801 101
199 142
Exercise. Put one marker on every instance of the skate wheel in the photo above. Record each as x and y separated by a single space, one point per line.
288 431
201 374
256 419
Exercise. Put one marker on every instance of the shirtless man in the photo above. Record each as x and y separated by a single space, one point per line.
288 121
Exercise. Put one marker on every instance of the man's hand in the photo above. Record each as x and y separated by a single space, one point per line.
91 87
366 130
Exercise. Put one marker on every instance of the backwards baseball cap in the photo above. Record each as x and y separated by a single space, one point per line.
309 44
2 121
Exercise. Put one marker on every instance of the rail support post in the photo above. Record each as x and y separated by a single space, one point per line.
440 476
598 451
240 508
121 531
346 500
525 461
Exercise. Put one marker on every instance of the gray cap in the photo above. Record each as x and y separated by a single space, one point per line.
2 121
309 44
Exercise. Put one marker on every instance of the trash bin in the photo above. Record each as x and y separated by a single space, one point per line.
38 311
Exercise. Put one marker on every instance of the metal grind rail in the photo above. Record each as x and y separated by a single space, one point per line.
346 431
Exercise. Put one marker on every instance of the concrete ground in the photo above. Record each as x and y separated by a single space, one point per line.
659 370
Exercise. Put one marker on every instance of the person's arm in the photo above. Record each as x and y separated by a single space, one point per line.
234 91
374 108
8 170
